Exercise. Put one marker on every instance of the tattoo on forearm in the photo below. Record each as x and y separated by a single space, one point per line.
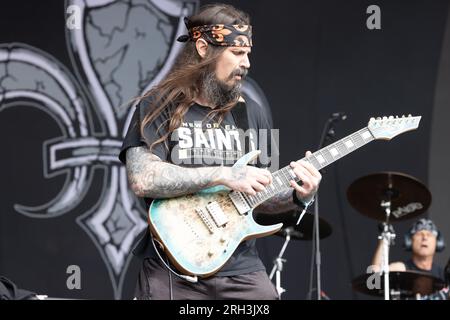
238 173
282 202
151 177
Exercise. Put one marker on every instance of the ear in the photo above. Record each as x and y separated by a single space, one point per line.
202 46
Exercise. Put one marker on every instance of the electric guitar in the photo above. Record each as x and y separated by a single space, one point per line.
200 232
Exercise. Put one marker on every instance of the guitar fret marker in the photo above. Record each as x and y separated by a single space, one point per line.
334 152
349 144
320 158
366 135
279 181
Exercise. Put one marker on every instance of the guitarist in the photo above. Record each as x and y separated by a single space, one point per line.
184 137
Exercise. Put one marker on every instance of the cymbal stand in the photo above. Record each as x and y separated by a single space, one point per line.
387 236
278 263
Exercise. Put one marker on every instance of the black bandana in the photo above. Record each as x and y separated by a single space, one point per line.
236 35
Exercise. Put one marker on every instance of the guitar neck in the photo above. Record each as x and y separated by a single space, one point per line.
319 159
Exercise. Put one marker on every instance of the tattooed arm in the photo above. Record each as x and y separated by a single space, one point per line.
151 177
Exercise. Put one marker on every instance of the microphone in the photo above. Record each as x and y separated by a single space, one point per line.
334 117
337 116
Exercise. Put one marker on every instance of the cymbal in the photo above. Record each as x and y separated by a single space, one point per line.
302 231
409 197
406 283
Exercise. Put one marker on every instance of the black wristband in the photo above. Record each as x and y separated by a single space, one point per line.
297 201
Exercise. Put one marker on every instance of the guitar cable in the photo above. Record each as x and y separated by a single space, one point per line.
191 279
170 280
169 271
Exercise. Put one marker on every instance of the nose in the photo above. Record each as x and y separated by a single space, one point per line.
245 63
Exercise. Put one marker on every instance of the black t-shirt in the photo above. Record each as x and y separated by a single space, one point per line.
436 271
200 141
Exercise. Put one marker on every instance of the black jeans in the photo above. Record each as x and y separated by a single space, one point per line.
153 283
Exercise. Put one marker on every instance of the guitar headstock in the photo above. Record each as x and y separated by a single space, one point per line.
387 128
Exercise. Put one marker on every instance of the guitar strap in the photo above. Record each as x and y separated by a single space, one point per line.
239 113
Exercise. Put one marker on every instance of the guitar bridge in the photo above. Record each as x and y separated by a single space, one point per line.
239 202
202 214
217 214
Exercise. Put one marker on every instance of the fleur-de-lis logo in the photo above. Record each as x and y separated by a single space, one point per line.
122 49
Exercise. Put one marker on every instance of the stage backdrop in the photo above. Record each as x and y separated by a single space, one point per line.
68 70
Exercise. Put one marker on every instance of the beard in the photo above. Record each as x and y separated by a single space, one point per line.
218 93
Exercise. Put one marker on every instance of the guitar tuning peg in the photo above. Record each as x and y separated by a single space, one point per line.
384 118
396 117
372 119
391 117
409 115
378 118
403 115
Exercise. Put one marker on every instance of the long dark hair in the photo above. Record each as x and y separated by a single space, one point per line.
177 91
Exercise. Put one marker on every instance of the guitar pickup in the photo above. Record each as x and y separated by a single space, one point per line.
216 212
239 202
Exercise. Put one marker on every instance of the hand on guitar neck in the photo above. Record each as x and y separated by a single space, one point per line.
251 180
309 177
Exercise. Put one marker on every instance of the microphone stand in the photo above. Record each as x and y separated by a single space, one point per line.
278 264
327 134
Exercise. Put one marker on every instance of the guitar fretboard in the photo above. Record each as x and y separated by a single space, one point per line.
319 159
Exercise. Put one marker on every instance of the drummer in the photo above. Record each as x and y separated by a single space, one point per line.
423 239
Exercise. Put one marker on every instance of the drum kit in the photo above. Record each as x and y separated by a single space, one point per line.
387 197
